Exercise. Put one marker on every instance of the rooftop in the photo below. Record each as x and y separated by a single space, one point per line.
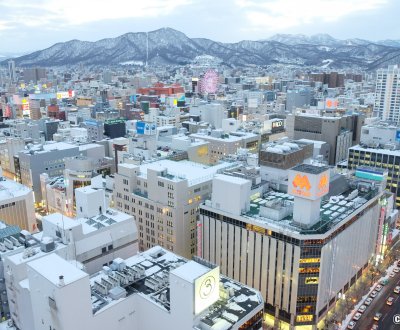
232 137
392 152
310 169
91 224
334 209
10 189
195 173
147 274
58 268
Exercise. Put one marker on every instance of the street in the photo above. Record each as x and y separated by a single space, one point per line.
379 305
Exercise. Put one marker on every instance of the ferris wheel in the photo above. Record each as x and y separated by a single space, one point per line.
209 83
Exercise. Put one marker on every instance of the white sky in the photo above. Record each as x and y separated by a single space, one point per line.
36 24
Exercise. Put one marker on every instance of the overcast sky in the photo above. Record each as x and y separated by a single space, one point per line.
27 25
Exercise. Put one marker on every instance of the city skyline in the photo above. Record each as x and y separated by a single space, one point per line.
29 27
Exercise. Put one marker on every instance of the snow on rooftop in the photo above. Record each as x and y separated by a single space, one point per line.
11 189
193 172
190 271
59 267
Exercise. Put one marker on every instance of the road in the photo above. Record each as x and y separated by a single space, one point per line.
379 305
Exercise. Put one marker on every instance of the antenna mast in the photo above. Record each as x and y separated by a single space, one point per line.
147 48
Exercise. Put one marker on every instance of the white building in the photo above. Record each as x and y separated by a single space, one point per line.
156 289
9 147
387 94
212 113
16 204
379 134
164 197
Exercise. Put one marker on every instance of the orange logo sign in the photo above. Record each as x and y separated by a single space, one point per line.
301 182
323 181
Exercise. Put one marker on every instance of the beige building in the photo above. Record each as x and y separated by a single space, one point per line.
222 144
16 204
164 197
303 249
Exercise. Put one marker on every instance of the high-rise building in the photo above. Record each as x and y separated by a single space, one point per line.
301 248
164 197
387 94
11 71
34 74
339 132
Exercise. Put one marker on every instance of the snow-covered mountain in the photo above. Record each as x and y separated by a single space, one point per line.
168 46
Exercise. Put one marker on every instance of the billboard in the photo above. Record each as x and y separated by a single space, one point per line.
308 185
370 174
206 290
277 125
331 103
65 95
398 136
145 128
140 125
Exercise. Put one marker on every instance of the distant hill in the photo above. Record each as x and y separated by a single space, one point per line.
169 46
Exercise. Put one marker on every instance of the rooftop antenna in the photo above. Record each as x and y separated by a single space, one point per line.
147 48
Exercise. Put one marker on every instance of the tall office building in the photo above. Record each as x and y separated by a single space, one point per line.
300 249
164 197
34 74
380 148
11 71
339 132
387 94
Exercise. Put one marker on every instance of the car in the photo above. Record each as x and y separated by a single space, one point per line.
373 294
357 316
362 308
392 274
351 325
389 301
368 301
396 289
378 287
384 281
377 316
374 327
396 270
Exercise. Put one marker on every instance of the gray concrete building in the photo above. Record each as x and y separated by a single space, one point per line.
339 132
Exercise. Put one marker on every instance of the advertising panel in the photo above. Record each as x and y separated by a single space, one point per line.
308 185
206 290
140 127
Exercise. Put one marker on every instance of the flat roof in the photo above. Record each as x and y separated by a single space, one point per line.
184 170
109 217
190 271
59 267
376 150
147 274
332 210
311 169
10 189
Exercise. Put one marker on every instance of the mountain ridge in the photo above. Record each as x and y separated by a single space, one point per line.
168 46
